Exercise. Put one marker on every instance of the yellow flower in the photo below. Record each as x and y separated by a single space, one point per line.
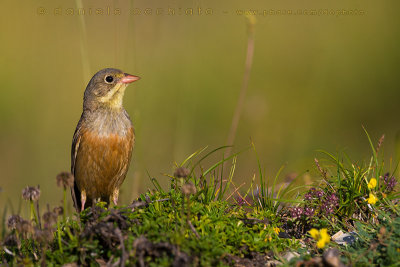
372 183
268 238
324 235
321 243
277 230
321 236
372 199
314 233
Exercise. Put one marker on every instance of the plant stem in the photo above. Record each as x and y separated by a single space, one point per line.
64 204
59 236
83 43
33 213
249 60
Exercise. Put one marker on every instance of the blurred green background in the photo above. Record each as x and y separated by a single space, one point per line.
315 80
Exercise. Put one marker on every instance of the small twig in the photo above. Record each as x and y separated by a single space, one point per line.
124 256
6 250
102 263
161 200
236 189
192 228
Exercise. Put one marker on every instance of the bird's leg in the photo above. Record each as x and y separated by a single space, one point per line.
83 199
114 196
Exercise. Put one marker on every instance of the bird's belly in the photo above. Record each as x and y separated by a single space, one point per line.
102 163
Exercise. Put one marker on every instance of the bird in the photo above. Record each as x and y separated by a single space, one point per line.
103 140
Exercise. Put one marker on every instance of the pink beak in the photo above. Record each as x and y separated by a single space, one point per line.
129 78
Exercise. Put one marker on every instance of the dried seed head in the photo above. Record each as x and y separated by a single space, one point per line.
380 142
24 227
58 210
320 169
65 179
50 218
11 240
13 221
181 172
31 193
188 189
44 236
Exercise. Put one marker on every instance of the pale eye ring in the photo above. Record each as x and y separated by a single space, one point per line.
109 79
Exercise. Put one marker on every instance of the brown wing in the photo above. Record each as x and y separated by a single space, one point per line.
76 194
127 146
127 160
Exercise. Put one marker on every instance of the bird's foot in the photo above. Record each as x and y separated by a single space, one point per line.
115 196
83 199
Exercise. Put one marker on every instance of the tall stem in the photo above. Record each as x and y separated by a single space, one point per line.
33 213
64 204
249 61
59 236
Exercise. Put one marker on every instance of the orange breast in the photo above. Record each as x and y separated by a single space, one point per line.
102 163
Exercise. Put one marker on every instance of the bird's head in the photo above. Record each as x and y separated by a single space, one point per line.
106 89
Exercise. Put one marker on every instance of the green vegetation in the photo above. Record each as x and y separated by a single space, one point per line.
204 219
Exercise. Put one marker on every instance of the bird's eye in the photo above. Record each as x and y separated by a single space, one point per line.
109 79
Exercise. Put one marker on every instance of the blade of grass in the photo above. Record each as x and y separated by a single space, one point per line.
3 222
262 182
155 183
372 148
201 150
230 177
207 155
222 161
276 179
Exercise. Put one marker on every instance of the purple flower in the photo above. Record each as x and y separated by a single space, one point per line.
311 194
390 182
296 212
308 196
309 212
333 200
319 194
328 207
239 201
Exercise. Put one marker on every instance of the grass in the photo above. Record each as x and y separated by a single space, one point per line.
204 219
